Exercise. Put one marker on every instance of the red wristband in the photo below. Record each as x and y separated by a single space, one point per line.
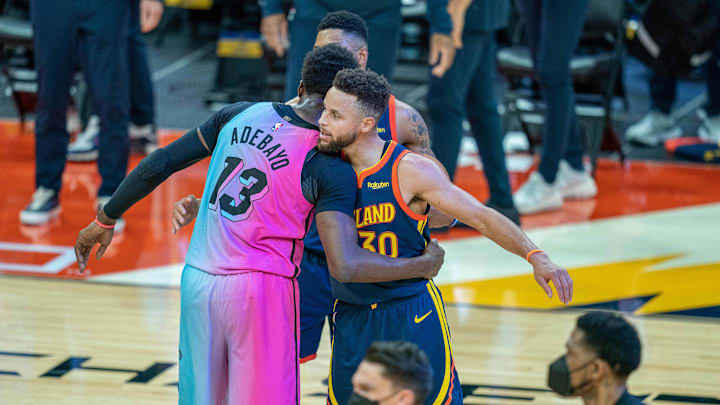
101 225
532 252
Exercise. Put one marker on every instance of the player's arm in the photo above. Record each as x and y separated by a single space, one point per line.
330 184
420 178
141 181
348 262
195 145
412 133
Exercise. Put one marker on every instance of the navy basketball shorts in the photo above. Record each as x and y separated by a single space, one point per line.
316 303
419 319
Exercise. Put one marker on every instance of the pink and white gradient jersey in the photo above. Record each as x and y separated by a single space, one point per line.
253 215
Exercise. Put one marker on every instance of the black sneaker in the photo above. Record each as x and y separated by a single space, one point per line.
510 213
44 206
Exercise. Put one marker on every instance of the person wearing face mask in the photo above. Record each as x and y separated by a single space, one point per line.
392 373
602 352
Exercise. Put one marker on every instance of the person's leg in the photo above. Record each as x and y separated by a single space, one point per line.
106 71
316 301
202 354
353 334
261 318
662 92
142 100
713 70
561 22
485 122
302 34
446 104
383 45
54 36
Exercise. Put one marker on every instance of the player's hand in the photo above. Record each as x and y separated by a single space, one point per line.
442 53
151 12
90 236
546 271
274 28
436 255
184 212
457 16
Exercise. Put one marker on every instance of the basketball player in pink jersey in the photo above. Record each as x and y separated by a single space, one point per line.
239 309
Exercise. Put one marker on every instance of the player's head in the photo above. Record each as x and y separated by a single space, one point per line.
392 373
353 107
347 29
602 350
320 67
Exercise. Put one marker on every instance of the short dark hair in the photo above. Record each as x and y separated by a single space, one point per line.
322 64
371 89
349 23
613 339
405 365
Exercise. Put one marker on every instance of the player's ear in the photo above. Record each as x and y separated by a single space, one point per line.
368 124
300 89
405 396
361 56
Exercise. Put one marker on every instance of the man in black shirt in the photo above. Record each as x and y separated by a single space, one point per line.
602 351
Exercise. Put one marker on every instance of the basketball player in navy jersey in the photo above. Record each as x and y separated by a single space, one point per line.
400 122
395 189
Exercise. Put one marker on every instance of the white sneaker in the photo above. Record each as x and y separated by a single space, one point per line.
142 138
536 195
709 129
575 184
85 147
653 129
120 223
43 207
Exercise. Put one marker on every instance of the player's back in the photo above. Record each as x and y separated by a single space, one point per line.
253 215
386 225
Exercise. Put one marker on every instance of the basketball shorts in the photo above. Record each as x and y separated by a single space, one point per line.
419 319
316 303
238 339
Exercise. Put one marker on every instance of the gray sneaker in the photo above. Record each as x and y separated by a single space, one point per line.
654 129
45 206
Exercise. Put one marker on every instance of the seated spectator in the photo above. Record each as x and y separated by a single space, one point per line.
392 373
602 351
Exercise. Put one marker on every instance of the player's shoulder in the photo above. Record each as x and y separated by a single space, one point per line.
319 162
416 163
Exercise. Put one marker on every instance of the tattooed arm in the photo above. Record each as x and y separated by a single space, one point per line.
412 132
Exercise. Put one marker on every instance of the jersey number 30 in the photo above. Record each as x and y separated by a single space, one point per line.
237 189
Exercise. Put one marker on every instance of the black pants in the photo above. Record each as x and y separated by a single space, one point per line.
468 88
384 41
61 27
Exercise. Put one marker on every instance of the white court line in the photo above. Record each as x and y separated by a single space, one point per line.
182 62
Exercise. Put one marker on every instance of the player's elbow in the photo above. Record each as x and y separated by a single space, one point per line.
342 272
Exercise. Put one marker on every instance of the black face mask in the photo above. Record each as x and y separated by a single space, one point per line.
559 376
357 399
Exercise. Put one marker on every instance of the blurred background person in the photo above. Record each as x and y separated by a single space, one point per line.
392 373
142 102
659 124
553 30
60 29
384 21
602 351
468 89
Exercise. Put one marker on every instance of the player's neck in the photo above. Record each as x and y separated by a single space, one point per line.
366 151
308 108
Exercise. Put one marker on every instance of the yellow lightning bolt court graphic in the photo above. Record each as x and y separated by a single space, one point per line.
676 289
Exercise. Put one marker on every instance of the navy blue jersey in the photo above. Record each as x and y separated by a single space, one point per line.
386 225
386 131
